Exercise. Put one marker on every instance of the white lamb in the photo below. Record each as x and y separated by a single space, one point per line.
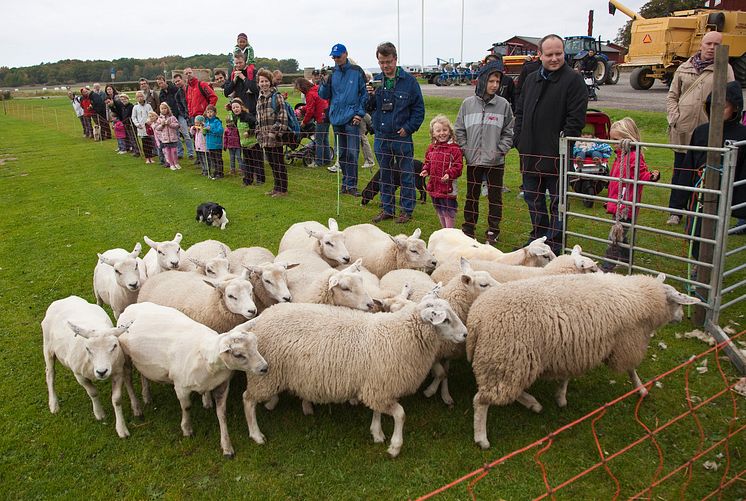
335 287
573 263
325 354
246 256
329 243
81 337
450 244
117 278
162 256
309 265
270 283
204 256
220 305
562 327
382 252
168 347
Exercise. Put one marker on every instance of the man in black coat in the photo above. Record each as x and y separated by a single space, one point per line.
553 102
242 83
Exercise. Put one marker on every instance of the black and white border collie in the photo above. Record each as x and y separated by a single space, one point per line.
212 214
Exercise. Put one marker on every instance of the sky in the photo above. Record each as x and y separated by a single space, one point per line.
50 30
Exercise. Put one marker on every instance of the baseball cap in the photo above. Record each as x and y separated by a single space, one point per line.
338 50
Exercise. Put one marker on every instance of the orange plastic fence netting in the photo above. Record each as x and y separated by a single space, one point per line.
732 435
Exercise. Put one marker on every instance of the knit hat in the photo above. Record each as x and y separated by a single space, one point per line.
242 35
199 118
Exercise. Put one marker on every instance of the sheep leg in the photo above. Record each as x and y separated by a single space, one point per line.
272 403
54 404
221 399
145 384
249 409
98 411
116 402
445 395
560 396
134 401
375 428
397 438
183 395
637 383
527 400
307 408
438 374
480 423
207 400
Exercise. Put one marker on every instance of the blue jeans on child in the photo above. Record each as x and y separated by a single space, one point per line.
235 158
122 144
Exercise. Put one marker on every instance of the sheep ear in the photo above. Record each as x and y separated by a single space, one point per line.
435 291
152 244
333 224
197 262
254 270
677 297
246 326
223 253
356 265
244 275
105 260
435 317
661 277
121 329
137 250
465 265
215 285
80 331
399 241
576 250
378 303
315 234
406 291
333 281
465 279
290 266
417 233
177 238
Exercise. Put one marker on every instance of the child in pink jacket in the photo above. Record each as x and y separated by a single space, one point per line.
443 163
167 129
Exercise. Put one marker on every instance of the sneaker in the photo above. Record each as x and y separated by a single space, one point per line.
403 218
484 188
173 167
382 216
673 219
368 165
121 152
313 165
279 194
270 193
333 168
520 195
178 167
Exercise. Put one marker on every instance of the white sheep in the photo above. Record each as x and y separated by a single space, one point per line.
168 347
203 257
562 327
162 256
326 354
246 256
329 243
335 287
81 337
220 305
270 283
450 244
382 252
117 278
573 263
309 265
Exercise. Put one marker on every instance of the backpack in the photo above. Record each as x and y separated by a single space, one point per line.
293 136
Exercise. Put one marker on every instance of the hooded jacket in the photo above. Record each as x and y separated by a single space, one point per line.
484 129
407 106
550 104
733 130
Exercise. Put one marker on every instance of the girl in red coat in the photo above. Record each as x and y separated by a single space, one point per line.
443 163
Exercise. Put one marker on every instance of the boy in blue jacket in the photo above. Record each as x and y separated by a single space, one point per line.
213 130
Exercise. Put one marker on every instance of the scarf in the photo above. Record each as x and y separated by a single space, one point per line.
699 63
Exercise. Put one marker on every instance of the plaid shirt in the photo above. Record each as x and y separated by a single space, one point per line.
269 123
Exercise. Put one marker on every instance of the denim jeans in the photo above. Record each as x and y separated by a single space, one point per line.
321 138
184 132
348 147
396 154
234 154
535 186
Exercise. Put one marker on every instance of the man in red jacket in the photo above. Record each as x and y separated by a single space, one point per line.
198 95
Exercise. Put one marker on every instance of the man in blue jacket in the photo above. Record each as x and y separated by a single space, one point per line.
345 91
397 110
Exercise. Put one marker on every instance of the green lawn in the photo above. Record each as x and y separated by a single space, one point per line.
67 198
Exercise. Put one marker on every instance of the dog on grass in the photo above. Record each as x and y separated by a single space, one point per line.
212 214
97 133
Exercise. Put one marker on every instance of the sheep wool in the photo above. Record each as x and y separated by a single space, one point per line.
328 243
246 256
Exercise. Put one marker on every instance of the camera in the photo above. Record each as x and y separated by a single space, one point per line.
375 83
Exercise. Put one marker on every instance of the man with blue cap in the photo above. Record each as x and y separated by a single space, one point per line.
345 91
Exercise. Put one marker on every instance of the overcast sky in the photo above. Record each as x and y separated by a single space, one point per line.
50 30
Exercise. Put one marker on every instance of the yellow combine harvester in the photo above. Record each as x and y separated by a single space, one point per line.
660 45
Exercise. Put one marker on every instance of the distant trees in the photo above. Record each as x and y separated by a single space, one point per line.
655 8
70 71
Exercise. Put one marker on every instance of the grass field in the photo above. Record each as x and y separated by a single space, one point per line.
67 198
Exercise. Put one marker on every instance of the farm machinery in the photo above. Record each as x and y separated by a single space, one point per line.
578 47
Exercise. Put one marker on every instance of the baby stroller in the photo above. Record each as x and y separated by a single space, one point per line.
601 124
305 148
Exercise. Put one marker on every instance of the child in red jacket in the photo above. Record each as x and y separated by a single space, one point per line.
443 163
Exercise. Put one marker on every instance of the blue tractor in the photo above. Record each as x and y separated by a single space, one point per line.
577 50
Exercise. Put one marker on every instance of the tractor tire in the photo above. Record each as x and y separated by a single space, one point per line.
640 78
739 68
612 73
600 74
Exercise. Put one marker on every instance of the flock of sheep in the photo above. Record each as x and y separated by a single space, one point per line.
350 316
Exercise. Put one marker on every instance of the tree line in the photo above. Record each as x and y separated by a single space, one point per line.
71 71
